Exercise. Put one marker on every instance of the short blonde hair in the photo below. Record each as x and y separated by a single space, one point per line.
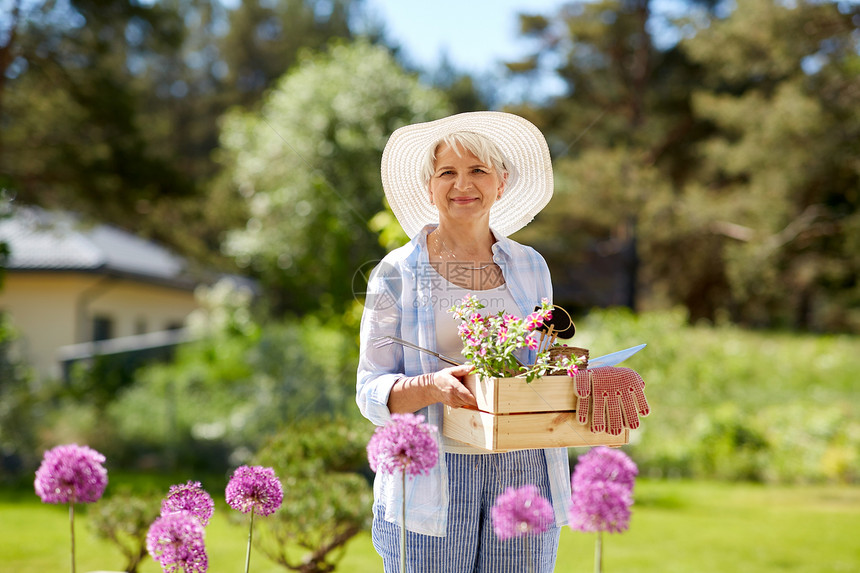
480 146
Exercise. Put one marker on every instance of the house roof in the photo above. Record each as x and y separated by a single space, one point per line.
41 240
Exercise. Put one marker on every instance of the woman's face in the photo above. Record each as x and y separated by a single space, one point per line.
463 187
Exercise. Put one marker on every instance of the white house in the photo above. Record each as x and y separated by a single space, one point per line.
69 286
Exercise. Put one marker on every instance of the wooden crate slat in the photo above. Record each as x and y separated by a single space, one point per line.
512 395
504 432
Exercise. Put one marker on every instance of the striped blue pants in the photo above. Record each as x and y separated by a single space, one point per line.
471 545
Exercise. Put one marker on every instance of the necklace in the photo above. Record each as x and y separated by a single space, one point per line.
439 239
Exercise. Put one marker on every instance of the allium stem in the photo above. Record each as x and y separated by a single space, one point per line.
72 528
403 526
598 553
250 538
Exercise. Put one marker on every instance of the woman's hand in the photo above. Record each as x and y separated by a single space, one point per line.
412 393
450 388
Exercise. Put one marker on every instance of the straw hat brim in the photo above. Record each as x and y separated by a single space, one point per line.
528 189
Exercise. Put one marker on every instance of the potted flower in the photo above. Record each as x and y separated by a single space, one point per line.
490 342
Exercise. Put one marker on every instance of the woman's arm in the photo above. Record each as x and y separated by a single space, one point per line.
412 393
382 386
379 367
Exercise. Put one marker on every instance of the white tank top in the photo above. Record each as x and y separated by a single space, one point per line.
445 295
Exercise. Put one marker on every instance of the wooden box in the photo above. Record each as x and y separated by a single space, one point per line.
513 415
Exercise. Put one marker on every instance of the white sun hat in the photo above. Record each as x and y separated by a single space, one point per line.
527 191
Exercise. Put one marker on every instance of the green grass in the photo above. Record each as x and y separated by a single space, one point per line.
677 526
719 527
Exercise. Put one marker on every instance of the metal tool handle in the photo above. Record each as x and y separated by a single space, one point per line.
408 344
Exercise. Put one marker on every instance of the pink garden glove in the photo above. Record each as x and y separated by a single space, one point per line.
617 398
582 387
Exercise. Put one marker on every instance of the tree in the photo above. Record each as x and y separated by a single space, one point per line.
614 136
461 88
20 408
264 40
723 158
70 132
111 108
307 166
777 180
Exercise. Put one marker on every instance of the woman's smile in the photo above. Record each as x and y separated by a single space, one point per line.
463 200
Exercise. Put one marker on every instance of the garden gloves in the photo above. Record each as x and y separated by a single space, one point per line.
614 397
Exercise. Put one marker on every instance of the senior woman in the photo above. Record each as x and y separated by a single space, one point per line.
458 186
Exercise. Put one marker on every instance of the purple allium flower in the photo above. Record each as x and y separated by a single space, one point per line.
255 488
604 464
602 486
601 506
192 498
520 512
405 444
175 540
71 473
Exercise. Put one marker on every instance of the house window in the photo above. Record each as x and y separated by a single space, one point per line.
140 326
102 328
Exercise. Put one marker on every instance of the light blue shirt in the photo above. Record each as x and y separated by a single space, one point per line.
399 303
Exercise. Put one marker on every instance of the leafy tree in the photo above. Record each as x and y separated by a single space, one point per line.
5 211
778 176
614 136
264 40
307 166
71 133
721 163
111 108
465 92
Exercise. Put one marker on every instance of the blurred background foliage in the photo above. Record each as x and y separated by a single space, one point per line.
736 404
307 167
326 493
706 153
707 181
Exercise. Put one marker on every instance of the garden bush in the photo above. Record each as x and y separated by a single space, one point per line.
124 519
19 408
327 494
736 404
727 402
224 395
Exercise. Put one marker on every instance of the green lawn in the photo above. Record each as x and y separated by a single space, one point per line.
676 527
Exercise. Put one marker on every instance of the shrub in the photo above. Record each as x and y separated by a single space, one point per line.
731 403
124 519
327 497
20 405
226 393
